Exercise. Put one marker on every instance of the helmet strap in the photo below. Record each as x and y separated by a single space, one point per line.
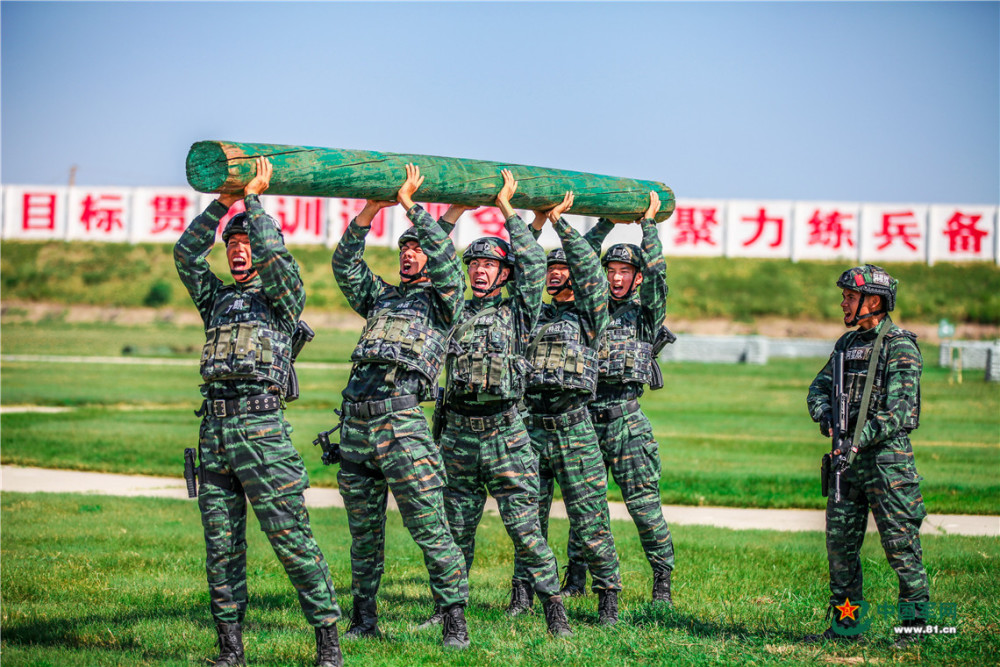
631 289
495 285
555 289
857 313
407 279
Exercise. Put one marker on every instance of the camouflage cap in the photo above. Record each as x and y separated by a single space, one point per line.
489 247
870 279
626 253
556 256
410 234
236 225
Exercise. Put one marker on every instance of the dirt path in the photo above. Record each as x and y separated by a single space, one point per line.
29 480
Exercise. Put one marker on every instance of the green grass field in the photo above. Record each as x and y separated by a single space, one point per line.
733 435
93 580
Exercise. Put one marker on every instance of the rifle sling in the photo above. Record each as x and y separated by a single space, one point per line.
869 384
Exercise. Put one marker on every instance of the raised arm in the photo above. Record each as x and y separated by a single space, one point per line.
590 284
356 280
191 255
443 265
528 282
278 270
653 290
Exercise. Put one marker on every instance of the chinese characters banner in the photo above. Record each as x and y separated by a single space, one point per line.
824 230
759 229
98 214
34 212
894 233
960 233
159 215
302 219
694 229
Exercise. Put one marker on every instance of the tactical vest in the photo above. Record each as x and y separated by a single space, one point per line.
856 359
242 341
560 356
399 332
622 356
483 357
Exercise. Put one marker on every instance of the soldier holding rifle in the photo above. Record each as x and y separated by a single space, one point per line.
873 467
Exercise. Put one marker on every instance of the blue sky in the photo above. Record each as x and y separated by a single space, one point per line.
852 101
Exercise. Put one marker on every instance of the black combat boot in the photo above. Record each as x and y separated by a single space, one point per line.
831 635
607 607
455 633
661 587
437 618
328 648
575 581
555 616
521 597
364 620
905 640
230 645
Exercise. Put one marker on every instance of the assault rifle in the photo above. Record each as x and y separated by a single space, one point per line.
663 338
837 463
331 450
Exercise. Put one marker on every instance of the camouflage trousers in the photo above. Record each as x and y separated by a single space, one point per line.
395 451
633 458
571 456
499 460
256 448
886 482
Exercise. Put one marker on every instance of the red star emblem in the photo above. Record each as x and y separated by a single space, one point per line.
847 610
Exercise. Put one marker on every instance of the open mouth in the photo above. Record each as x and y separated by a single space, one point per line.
481 282
239 262
406 267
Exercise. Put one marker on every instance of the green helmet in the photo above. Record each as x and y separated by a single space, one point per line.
236 225
871 279
489 247
409 235
626 253
556 256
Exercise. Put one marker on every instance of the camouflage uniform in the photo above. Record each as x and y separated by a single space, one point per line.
243 451
884 476
564 356
485 443
623 431
384 446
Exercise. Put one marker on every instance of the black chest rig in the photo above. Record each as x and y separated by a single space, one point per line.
400 331
857 357
559 354
243 341
622 356
483 357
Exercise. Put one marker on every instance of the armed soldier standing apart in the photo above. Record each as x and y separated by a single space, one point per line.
563 355
385 440
637 283
245 449
874 467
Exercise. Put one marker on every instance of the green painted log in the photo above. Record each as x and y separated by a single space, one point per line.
222 166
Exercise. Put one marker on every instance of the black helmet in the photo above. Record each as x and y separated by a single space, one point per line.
236 225
409 235
871 279
556 256
489 247
626 253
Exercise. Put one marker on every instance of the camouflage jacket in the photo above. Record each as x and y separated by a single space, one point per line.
277 283
589 310
650 299
511 326
442 298
895 401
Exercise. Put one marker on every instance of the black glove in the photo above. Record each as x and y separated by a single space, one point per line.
826 424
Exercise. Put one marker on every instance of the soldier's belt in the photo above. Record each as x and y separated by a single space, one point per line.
366 409
614 412
556 422
227 407
483 422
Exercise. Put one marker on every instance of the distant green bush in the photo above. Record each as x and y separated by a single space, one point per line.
158 295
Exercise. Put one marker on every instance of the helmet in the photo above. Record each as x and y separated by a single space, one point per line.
557 256
871 279
410 234
489 247
236 225
626 253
